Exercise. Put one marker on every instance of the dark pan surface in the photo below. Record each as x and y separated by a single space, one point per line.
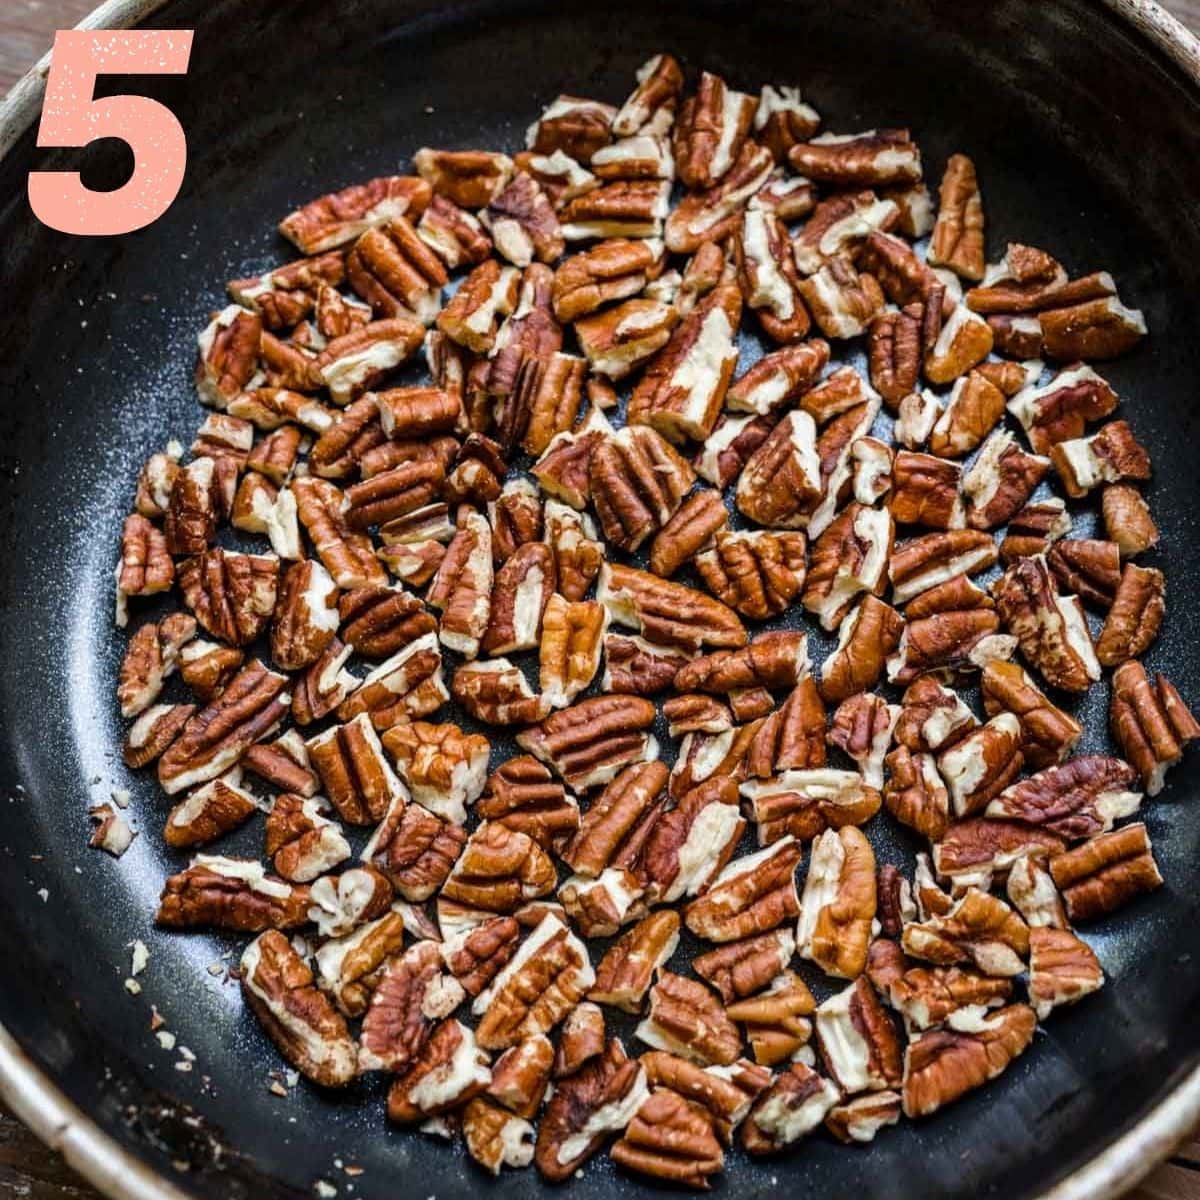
1085 144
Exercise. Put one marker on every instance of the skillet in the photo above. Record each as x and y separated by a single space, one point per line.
1084 121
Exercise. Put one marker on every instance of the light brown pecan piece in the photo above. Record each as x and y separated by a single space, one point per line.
620 208
957 240
672 1139
380 621
862 729
145 567
839 224
154 730
588 743
685 1018
151 656
1032 529
523 795
212 741
710 129
963 342
571 641
456 236
783 119
495 1137
953 641
849 558
521 1074
468 177
789 197
894 355
613 817
781 483
795 1103
686 846
586 1107
306 615
692 528
449 1070
758 573
470 318
874 158
1127 519
666 612
659 82
612 271
353 363
768 277
1135 617
462 587
405 686
637 483
729 447
414 849
753 894
227 361
206 667
201 496
393 493
564 469
1061 410
523 587
1103 874
1050 628
284 296
627 970
925 562
1079 799
857 1121
476 954
347 556
156 480
1047 733
982 763
1109 456
301 841
915 794
211 810
776 1021
333 220
867 636
599 906
742 968
499 869
776 659
838 903
1062 970
925 491
1095 329
443 767
515 517
350 967
497 693
574 125
1150 722
916 415
778 378
356 776
974 407
394 271
975 852
942 1065
1031 891
536 989
703 757
351 436
683 388
414 992
522 222
308 1031
858 1040
232 595
805 802
980 929
581 1040
1000 481
230 893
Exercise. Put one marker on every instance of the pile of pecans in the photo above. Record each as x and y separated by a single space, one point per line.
493 923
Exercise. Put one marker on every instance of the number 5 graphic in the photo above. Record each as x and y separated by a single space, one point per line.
73 117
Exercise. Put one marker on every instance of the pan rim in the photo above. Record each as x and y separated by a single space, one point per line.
120 1174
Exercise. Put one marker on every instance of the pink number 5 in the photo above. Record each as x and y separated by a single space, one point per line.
72 117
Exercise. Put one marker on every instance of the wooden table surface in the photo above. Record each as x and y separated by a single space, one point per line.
28 1170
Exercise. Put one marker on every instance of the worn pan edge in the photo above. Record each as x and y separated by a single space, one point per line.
120 1174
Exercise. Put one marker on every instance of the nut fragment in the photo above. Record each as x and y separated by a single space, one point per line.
1150 722
638 481
462 587
1062 970
1137 612
979 929
757 573
753 894
974 852
449 1070
858 1040
670 1139
685 1018
627 970
778 378
710 129
838 903
690 530
981 764
915 793
1000 481
796 1102
300 1020
848 559
499 870
957 240
869 159
1047 733
867 636
497 693
1127 519
339 217
1105 873
944 1064
230 893
666 612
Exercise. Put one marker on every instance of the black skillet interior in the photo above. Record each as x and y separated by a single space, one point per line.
1086 143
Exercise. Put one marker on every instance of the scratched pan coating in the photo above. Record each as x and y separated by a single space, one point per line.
1087 142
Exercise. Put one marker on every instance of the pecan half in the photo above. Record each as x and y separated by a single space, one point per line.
757 573
666 612
621 208
858 1040
1135 617
780 483
979 929
1106 872
873 158
672 1139
629 967
638 481
230 893
848 559
685 1018
957 240
308 1031
612 271
1127 519
795 1103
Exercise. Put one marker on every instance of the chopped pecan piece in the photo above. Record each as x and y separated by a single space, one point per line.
682 390
522 222
857 1121
778 378
666 612
230 893
580 1040
842 300
232 595
689 531
523 795
521 1074
925 491
1136 614
776 659
443 767
414 849
395 272
963 342
1000 481
153 731
867 636
612 271
974 407
858 1040
685 1018
302 842
353 363
925 562
981 764
757 573
753 894
838 903
611 818
975 851
449 1070
776 1021
462 588
1094 329
571 640
356 775
1047 733
627 970
1127 519
212 741
849 558
468 177
346 555
1079 799
496 1138
523 587
795 1103
497 693
979 929
1061 410
710 130
1109 456
576 126
1062 970
780 483
1032 893
211 810
874 158
1150 722
767 275
1106 872
957 240
659 82
407 685
499 869
862 729
470 318
672 1139
228 356
600 1099
932 716
621 208
340 217
152 655
742 968
915 793
308 1031
729 447
944 1064
638 481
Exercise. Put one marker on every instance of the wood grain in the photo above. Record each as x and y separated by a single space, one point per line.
28 1170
